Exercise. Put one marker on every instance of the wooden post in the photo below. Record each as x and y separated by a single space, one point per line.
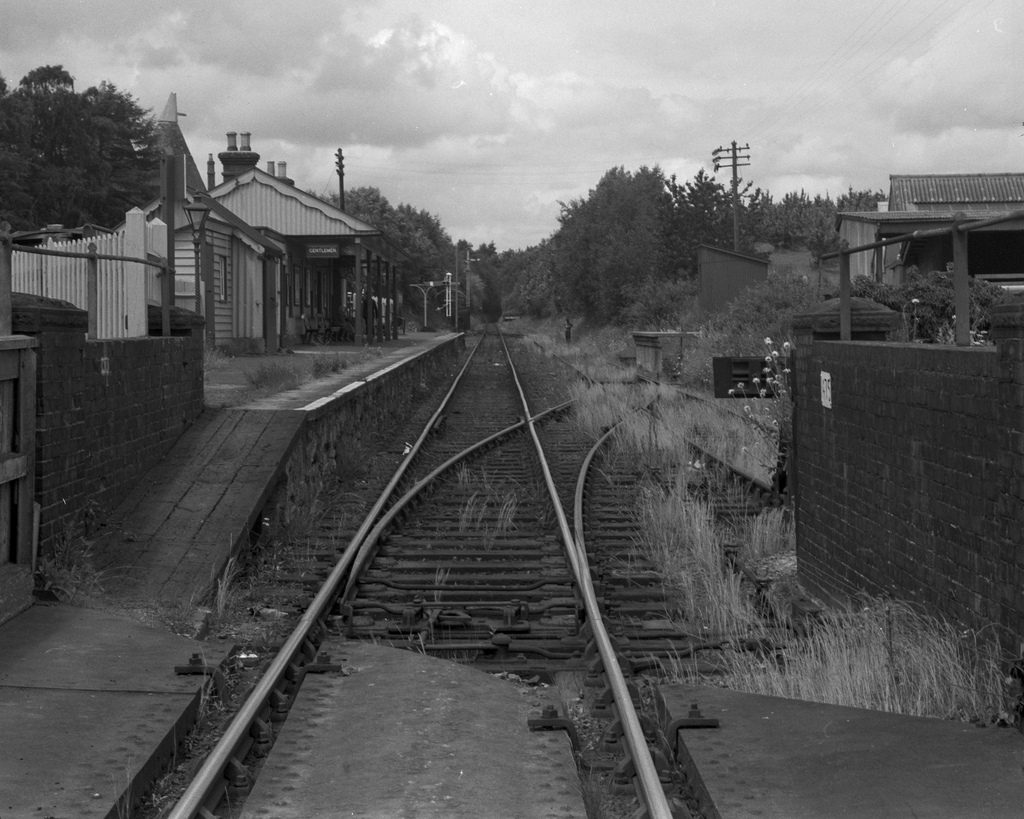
357 296
961 286
6 252
92 291
169 182
24 552
844 296
378 316
394 301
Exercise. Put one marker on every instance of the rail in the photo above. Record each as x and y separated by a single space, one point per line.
650 785
210 781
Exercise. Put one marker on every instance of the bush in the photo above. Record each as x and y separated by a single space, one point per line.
926 303
765 310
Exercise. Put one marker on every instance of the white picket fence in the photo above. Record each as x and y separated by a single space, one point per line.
124 289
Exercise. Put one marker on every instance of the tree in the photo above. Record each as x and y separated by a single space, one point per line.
702 214
525 281
417 233
73 158
610 245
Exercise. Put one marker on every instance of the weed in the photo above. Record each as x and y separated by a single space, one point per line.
214 358
225 584
472 512
274 377
440 579
67 570
325 365
678 535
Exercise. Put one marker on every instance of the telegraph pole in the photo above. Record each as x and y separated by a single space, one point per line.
732 157
340 165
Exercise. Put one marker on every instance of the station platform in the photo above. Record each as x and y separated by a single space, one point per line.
90 703
397 733
773 757
179 525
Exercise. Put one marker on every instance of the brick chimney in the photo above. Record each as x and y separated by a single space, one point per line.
282 173
236 160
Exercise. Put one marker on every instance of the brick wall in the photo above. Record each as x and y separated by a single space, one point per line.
106 411
912 483
338 437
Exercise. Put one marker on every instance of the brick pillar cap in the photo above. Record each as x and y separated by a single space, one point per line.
1008 311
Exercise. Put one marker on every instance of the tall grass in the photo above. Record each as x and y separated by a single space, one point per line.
599 406
663 437
884 655
595 353
679 536
767 533
887 656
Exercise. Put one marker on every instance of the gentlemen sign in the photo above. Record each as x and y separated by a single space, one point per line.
322 252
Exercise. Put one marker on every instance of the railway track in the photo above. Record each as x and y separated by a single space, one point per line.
469 554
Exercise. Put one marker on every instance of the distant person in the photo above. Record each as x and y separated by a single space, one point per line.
568 330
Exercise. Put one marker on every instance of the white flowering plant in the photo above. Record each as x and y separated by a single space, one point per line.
771 407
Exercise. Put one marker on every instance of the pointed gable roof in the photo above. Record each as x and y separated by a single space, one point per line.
172 140
269 202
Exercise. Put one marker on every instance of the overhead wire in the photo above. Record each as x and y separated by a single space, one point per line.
850 62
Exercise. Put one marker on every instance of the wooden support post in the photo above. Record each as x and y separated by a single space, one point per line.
169 182
6 273
92 291
378 316
394 300
358 296
209 297
844 296
961 287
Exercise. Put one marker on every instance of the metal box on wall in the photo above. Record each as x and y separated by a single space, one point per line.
729 372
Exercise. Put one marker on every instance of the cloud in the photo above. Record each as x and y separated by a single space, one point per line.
966 75
489 114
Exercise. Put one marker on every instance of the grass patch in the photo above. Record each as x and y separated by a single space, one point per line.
324 365
275 377
886 656
491 515
67 572
679 536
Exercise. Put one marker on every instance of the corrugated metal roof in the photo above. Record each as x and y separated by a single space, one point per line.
266 201
985 191
884 217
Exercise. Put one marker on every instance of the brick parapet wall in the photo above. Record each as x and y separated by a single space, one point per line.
106 411
911 484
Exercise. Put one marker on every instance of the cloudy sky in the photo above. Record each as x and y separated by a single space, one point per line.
488 114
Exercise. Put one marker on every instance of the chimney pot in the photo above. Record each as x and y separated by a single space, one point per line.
271 168
232 143
282 170
245 141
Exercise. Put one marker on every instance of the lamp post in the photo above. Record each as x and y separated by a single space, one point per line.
197 212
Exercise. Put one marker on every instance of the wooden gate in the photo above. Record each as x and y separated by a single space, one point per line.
17 447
